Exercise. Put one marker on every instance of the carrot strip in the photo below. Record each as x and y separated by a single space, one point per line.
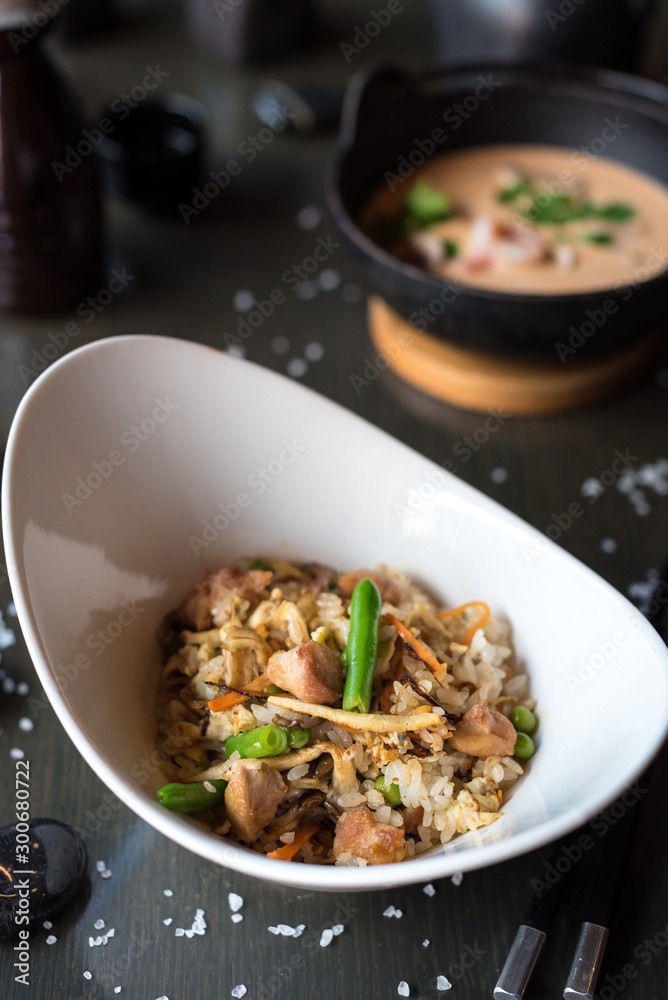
288 851
418 647
232 699
483 617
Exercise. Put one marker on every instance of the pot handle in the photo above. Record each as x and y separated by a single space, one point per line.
366 91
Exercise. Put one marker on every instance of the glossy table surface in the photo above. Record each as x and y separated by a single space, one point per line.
184 281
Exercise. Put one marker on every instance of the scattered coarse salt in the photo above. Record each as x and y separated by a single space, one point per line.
117 989
286 931
429 890
51 939
403 989
47 925
8 685
296 367
443 984
16 754
179 932
608 545
425 943
392 911
88 975
162 998
167 892
499 474
167 921
239 991
98 925
189 932
243 300
101 939
326 937
314 351
337 929
329 279
280 345
11 609
22 688
100 866
309 217
235 901
105 874
199 923
27 725
457 878
306 290
236 918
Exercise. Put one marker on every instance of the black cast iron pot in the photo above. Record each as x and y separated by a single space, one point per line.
388 126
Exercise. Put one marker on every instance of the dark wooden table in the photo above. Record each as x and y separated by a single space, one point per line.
185 280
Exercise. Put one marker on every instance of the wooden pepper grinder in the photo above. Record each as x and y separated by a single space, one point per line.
50 217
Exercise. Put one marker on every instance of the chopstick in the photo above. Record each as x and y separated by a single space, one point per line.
611 854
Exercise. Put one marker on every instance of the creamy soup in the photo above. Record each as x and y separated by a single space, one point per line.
520 218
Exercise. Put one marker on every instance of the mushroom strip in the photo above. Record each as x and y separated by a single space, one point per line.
357 720
344 779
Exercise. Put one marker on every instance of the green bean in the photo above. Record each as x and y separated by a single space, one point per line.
524 747
362 646
389 789
192 798
298 738
523 720
265 741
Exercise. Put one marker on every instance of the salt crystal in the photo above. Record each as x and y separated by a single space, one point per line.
167 921
239 991
87 975
98 925
457 878
51 939
236 918
392 911
329 279
27 725
403 989
273 930
299 930
117 989
100 866
162 998
167 892
235 901
189 932
309 217
499 474
7 637
236 351
179 932
296 367
47 925
285 930
337 929
11 609
243 300
280 345
314 351
326 937
306 290
105 874
443 984
22 688
16 754
429 890
608 545
425 943
8 685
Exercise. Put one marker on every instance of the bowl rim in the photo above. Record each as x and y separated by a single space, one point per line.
653 94
200 841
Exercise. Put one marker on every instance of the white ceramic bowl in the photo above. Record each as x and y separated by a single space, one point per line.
136 464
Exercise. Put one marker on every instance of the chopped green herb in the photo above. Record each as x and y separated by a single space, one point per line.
600 239
553 209
262 564
522 186
425 205
451 248
615 211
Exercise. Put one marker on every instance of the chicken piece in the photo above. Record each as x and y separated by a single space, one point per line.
253 794
359 833
484 732
388 589
215 597
413 816
310 671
